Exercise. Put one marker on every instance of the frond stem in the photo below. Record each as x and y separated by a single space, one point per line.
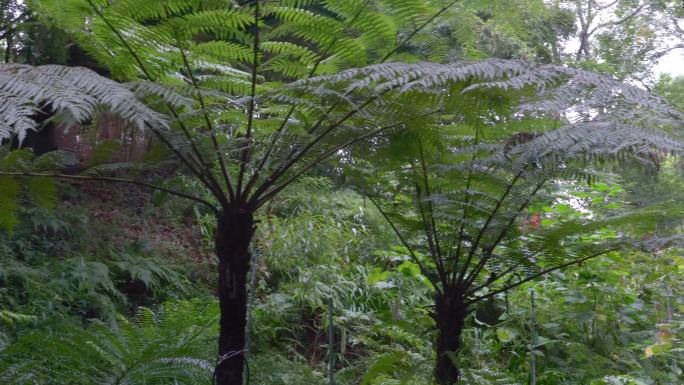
385 58
278 173
429 236
281 128
403 241
483 261
427 218
461 231
266 196
490 218
207 120
431 211
182 158
417 30
539 274
246 152
502 274
208 179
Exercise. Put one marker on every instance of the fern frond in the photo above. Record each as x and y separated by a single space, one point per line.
165 344
79 92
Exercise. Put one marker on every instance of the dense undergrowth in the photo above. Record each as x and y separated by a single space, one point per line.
134 305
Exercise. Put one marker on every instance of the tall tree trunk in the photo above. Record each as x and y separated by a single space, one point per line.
450 313
233 236
9 42
584 51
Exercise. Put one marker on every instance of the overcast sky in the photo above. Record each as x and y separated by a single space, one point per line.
671 64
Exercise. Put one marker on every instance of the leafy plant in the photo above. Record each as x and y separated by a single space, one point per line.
46 272
160 345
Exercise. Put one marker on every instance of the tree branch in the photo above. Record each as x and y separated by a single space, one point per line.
600 7
658 55
114 180
619 21
11 28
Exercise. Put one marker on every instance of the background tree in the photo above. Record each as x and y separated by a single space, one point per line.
624 38
12 15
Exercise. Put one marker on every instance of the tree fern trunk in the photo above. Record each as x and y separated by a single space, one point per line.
450 313
233 236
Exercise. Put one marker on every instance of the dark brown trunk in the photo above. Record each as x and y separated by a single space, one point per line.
233 236
584 51
450 313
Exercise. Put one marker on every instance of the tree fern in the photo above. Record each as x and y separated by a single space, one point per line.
459 199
